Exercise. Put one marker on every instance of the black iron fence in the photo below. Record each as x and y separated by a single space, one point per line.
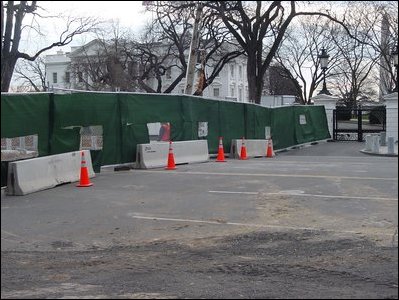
351 124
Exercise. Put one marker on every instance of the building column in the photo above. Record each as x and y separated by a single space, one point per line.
391 104
329 102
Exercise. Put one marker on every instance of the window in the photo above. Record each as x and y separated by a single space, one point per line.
55 77
67 77
168 73
240 94
80 76
232 92
240 72
232 71
216 92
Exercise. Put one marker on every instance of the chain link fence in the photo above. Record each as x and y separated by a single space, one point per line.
28 143
91 138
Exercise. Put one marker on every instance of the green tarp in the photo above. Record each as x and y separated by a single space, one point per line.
27 114
73 111
57 119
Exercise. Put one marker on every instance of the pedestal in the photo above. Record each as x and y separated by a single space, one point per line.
391 104
329 102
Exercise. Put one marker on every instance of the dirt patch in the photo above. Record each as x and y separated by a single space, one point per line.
262 264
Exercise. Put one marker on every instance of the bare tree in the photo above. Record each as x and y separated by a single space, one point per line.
32 74
88 67
358 58
12 27
299 52
163 47
259 27
279 81
352 68
217 48
381 19
172 28
103 63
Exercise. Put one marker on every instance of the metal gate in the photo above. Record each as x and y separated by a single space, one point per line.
351 124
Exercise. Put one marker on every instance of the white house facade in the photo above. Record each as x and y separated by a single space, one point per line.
230 84
57 71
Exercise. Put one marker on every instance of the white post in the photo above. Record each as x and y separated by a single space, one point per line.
391 103
329 103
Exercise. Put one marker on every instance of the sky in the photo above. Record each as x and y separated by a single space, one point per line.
130 14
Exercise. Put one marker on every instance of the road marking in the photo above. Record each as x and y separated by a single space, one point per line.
334 196
352 158
274 175
227 192
10 234
302 194
156 218
325 164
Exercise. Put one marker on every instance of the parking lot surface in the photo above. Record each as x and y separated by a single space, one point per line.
314 222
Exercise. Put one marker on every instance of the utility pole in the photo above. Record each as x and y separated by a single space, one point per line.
385 77
192 58
201 77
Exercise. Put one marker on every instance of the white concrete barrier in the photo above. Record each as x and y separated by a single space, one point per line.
383 138
369 142
155 155
255 148
36 174
391 145
375 147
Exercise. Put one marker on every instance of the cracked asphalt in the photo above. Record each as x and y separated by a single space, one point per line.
314 222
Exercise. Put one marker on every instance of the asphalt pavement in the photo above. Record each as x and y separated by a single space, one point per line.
319 221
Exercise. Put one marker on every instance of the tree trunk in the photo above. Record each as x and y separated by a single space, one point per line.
255 80
7 69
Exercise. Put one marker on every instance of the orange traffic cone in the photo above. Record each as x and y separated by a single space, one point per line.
243 154
270 152
171 159
84 174
220 157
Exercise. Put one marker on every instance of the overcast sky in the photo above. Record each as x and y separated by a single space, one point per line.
129 14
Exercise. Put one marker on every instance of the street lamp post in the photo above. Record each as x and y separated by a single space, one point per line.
394 54
323 57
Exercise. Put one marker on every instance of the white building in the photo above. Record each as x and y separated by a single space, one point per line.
57 72
277 100
231 83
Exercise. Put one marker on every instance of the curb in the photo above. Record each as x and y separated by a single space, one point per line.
379 154
3 192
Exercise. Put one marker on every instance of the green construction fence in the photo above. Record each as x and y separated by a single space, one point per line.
58 118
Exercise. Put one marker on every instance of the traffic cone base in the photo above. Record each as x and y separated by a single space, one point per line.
84 174
243 154
220 157
171 159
